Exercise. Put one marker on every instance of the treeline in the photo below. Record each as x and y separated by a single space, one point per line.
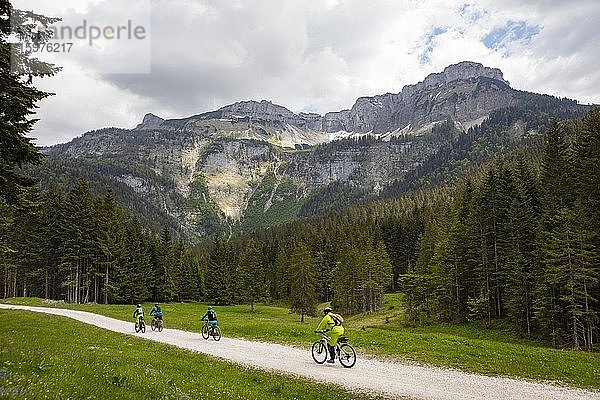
80 248
519 243
303 264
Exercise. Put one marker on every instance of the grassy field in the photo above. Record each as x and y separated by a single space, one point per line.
469 347
49 357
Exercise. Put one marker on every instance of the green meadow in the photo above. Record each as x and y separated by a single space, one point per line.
50 357
473 347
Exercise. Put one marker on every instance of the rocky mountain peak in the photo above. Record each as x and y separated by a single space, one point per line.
263 109
150 121
463 70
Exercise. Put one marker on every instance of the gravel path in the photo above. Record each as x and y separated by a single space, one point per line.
391 379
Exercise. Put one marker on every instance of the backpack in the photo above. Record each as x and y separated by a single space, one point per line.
337 318
212 315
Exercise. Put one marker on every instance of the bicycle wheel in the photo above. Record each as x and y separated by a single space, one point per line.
205 331
153 325
347 355
217 333
160 325
143 327
319 352
137 328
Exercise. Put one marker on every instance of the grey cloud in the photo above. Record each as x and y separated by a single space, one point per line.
321 57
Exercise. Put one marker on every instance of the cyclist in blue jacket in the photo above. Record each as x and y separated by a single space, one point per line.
156 311
211 315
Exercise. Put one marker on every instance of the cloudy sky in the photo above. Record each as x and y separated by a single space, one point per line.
194 56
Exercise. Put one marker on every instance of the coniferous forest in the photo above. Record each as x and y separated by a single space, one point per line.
517 239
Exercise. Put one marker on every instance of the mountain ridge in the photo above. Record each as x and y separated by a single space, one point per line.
350 120
253 164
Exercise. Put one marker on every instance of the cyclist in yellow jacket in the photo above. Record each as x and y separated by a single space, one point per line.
329 323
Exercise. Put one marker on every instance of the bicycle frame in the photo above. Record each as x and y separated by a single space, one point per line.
325 339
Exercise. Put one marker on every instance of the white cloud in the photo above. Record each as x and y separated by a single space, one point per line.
321 56
82 104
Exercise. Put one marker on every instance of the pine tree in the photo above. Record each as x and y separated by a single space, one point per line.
417 283
346 277
250 275
303 281
135 283
280 287
556 196
19 98
49 239
380 274
164 274
587 167
220 272
112 244
521 229
445 270
77 242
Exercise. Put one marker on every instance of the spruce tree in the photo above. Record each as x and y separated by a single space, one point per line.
303 281
19 98
220 272
250 275
112 243
164 274
77 242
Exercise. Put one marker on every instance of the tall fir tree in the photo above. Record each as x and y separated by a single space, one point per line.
250 275
303 281
19 97
220 273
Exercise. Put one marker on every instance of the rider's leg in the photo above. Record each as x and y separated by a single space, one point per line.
335 333
331 353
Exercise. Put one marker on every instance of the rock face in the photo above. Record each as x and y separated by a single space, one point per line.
464 92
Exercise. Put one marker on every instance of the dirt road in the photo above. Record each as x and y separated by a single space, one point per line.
391 379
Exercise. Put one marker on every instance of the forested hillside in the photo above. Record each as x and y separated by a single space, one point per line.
255 164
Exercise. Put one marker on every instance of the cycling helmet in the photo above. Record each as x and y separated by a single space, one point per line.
210 307
326 310
156 304
139 305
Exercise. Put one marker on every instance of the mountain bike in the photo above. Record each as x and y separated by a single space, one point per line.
343 350
209 330
157 324
140 325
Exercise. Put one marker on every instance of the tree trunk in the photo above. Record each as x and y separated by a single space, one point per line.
496 273
106 285
77 282
46 282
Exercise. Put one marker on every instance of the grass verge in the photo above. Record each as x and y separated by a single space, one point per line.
49 357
